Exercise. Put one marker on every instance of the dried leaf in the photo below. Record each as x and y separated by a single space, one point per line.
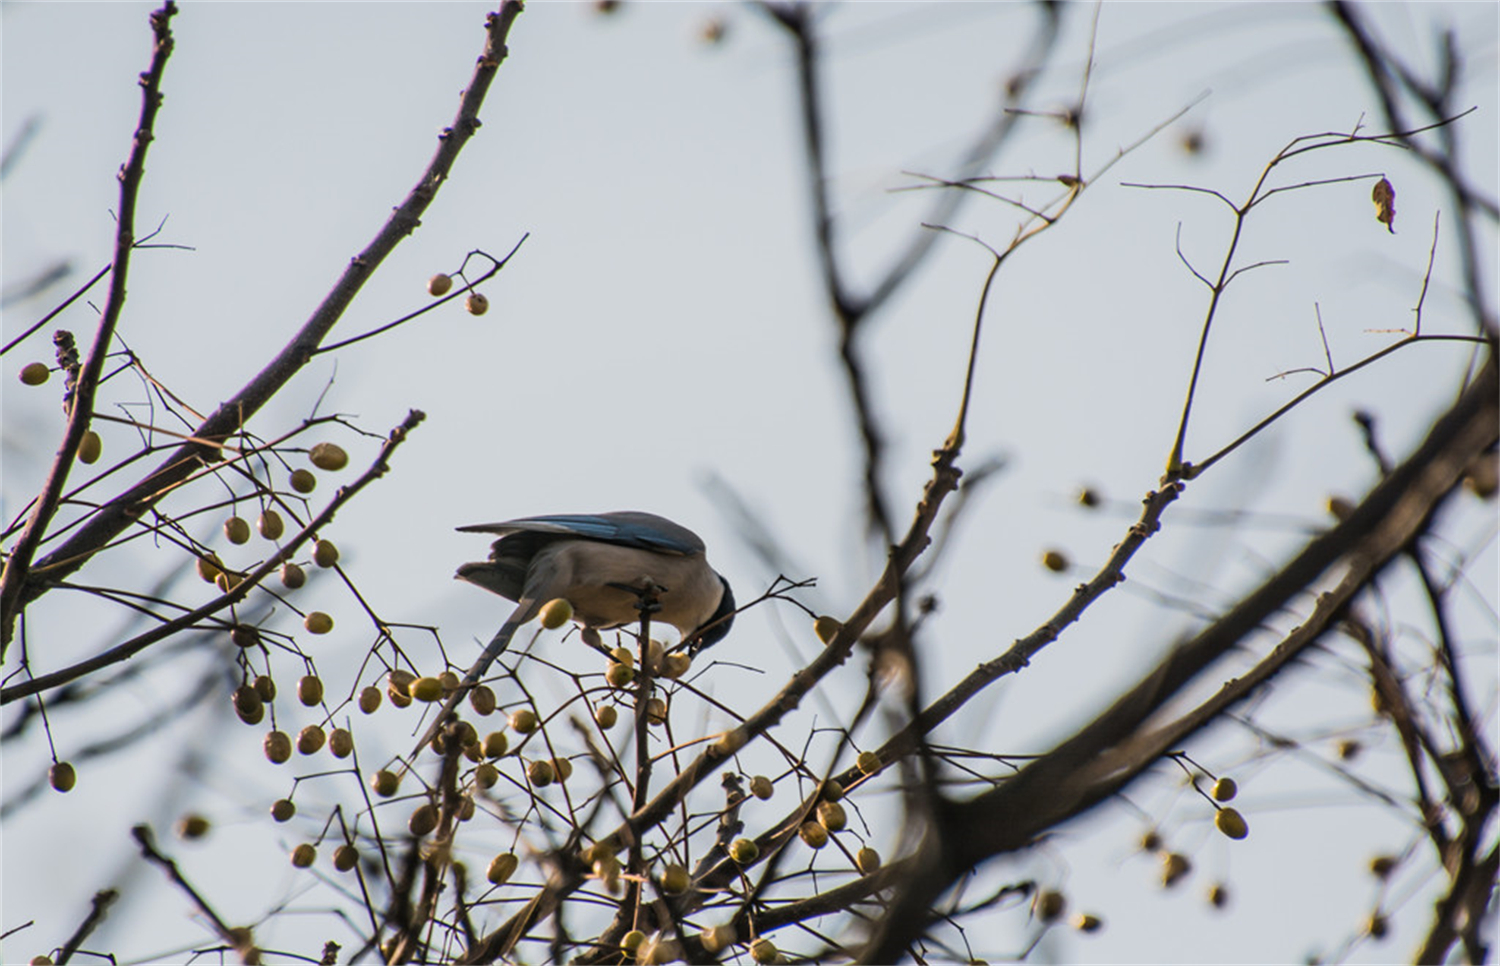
1384 197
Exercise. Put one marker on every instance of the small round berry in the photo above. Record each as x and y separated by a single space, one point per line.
606 715
476 303
304 855
1218 895
867 860
717 938
192 826
247 704
540 773
502 867
423 820
1055 561
744 851
831 816
340 743
35 373
675 665
317 622
1087 922
496 744
523 721
303 481
632 941
763 951
656 711
385 782
1232 823
244 635
450 681
674 880
310 739
270 525
266 688
827 628
210 567
310 690
345 857
292 576
228 580
426 689
1174 865
283 809
619 675
1381 866
62 777
90 448
1378 926
369 699
328 456
556 613
761 787
482 700
439 285
278 747
623 655
486 775
1225 789
868 762
236 530
325 554
1088 497
563 767
1050 905
815 835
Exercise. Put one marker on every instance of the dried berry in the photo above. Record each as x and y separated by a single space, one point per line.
555 613
292 576
62 777
90 447
310 690
236 530
270 525
278 747
325 554
328 456
310 739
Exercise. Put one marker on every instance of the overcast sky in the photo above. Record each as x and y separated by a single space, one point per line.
664 324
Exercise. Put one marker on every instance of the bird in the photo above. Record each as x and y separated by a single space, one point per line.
610 566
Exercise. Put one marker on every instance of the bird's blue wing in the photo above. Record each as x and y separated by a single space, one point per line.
627 528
